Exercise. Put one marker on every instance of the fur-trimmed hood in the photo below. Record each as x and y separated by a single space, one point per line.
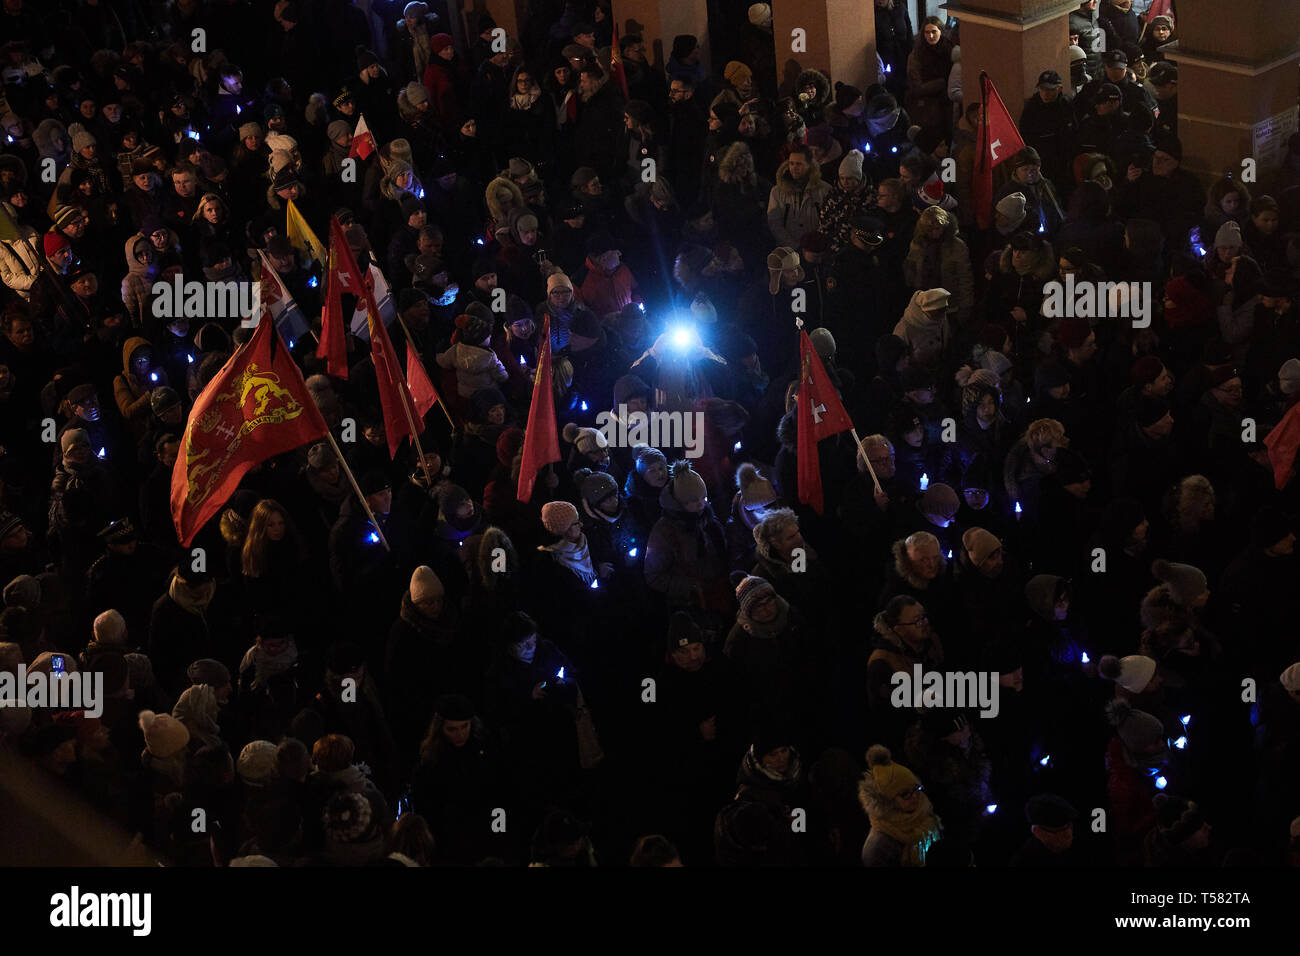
1043 270
819 80
904 568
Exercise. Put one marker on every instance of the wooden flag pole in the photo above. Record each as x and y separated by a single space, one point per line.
357 488
863 452
410 343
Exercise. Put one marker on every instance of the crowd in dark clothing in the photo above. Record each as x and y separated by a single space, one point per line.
664 656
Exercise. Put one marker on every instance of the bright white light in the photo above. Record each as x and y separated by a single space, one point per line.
153 376
102 453
1185 719
1161 783
631 552
1180 743
560 673
991 809
478 241
681 336
583 406
1086 659
736 447
190 358
238 109
1019 510
925 481
1046 761
641 306
595 585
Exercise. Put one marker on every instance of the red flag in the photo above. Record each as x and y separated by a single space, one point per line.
616 65
998 140
256 407
1160 8
423 393
820 415
1282 443
393 390
343 275
541 441
363 141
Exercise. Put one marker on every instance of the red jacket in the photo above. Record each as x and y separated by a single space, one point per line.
1131 811
604 293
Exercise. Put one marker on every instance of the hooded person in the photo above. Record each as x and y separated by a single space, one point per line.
777 657
903 823
142 270
686 554
925 326
471 356
644 484
197 708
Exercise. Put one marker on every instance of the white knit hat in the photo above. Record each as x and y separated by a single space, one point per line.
1291 678
1288 376
851 164
110 628
426 585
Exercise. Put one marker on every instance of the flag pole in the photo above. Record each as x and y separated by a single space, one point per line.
863 452
352 479
410 341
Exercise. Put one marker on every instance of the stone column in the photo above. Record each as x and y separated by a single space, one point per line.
1237 84
658 21
1012 41
839 38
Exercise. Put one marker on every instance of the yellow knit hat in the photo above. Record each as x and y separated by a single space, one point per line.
737 73
891 779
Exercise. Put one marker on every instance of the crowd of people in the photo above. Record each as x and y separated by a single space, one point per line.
663 657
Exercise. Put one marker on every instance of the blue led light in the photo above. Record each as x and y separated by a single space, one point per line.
102 453
631 552
1161 783
925 481
313 282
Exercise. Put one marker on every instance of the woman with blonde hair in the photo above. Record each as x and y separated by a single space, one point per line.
271 561
939 259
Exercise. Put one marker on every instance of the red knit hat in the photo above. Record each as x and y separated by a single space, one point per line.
1073 332
54 242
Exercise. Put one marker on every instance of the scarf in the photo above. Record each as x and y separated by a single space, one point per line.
772 628
525 101
752 767
197 709
420 47
190 599
334 493
265 666
917 831
882 124
575 557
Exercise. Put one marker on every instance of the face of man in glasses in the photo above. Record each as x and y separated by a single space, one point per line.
882 461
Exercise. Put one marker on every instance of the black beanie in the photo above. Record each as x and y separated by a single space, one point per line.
683 45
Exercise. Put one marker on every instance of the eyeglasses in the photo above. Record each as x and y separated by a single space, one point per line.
923 619
882 460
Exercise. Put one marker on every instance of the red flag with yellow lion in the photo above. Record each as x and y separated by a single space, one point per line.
256 407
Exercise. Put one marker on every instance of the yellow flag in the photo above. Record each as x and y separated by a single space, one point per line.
301 236
8 230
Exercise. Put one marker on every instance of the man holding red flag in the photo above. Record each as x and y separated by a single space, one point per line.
255 408
820 414
541 441
998 141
